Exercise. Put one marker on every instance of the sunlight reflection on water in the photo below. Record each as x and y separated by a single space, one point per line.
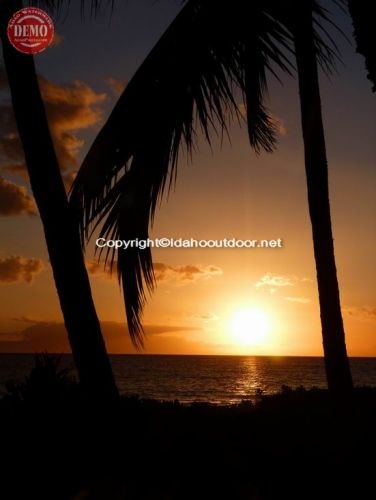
224 379
214 379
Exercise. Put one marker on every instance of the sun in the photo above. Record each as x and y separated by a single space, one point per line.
249 327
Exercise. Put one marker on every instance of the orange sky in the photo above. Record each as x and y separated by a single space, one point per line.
223 193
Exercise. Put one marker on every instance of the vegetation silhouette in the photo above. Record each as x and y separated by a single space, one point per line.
289 445
48 381
187 83
60 228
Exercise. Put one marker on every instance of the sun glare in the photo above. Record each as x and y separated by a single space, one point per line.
249 327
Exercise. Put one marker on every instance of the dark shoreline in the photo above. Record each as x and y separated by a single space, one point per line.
298 444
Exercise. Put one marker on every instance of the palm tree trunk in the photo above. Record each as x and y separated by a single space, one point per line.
336 361
363 15
60 229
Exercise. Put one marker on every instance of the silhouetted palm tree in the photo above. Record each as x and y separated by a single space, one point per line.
60 227
333 333
188 81
183 76
363 13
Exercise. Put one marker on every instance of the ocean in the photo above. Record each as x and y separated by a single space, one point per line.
214 379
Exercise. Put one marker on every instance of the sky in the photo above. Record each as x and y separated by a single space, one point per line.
208 301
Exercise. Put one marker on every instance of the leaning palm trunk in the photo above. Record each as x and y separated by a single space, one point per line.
60 230
336 360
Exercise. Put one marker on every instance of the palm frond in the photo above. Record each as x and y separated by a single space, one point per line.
189 81
262 54
327 51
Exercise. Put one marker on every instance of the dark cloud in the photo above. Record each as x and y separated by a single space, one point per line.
10 145
70 108
362 312
52 337
15 200
117 86
3 78
18 169
31 321
58 40
11 153
68 179
14 269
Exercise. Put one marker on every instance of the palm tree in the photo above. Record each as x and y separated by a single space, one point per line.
60 227
188 82
183 76
363 14
316 166
298 16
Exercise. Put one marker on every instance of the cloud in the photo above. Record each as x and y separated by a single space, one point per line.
278 123
275 281
11 152
70 108
163 272
3 78
209 316
363 312
299 300
117 86
98 269
18 169
68 179
10 146
31 321
14 269
43 336
187 273
14 199
57 40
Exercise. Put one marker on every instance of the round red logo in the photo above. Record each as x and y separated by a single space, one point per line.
30 30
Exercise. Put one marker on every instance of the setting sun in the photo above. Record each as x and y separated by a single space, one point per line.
249 326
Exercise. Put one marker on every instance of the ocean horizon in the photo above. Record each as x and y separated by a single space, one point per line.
217 379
